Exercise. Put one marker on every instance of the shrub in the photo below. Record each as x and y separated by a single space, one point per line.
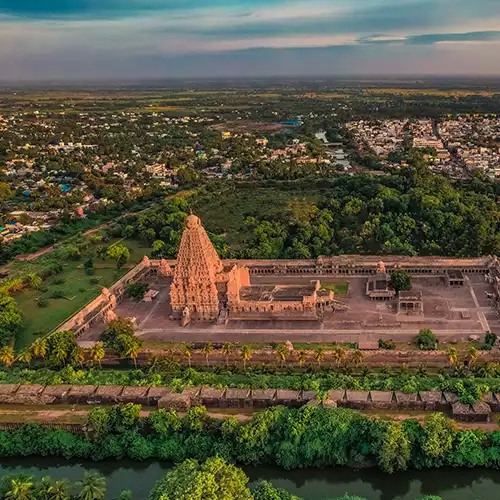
400 280
426 340
389 345
136 291
57 294
42 303
59 281
94 281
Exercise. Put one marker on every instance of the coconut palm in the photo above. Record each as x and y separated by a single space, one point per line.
452 356
207 349
7 356
34 281
25 357
319 355
338 354
20 489
282 353
59 490
246 355
60 354
187 354
356 357
96 353
78 356
131 350
301 358
93 486
39 348
472 355
227 349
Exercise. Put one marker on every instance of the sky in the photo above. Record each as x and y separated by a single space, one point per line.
85 40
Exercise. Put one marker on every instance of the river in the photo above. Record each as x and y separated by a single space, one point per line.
311 484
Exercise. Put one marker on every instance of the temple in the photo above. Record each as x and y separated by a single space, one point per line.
203 288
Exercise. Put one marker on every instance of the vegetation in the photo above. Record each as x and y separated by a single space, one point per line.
120 336
426 340
400 280
136 291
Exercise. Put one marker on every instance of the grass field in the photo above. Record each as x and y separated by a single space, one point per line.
75 287
339 288
431 92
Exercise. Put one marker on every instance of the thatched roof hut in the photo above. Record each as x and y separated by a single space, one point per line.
238 398
433 400
381 400
134 394
357 399
337 395
58 392
29 394
81 394
450 397
478 412
156 393
175 401
212 398
107 394
194 395
410 401
262 398
7 391
307 396
288 398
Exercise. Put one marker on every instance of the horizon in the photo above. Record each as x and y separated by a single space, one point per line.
53 40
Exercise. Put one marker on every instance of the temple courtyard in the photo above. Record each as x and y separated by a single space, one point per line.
451 312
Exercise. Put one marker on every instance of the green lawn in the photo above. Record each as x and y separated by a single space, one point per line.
339 288
76 288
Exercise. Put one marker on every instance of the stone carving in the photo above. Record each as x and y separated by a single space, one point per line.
381 267
164 269
109 315
146 261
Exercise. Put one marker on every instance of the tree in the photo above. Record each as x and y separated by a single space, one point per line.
266 491
25 357
33 281
136 291
20 490
39 348
452 356
98 422
472 355
159 249
125 495
395 450
78 356
115 330
130 348
400 281
7 356
439 433
59 490
319 355
207 349
227 349
93 486
339 353
187 354
301 358
211 480
120 253
426 340
246 355
60 346
356 357
282 353
97 353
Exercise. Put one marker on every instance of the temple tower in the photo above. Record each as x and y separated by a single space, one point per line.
197 265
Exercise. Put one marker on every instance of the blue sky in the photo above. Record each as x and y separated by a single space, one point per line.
113 39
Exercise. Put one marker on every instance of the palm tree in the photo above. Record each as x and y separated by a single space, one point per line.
93 486
282 353
25 357
78 356
452 356
207 349
59 490
7 356
187 354
472 355
338 354
60 354
20 489
39 348
356 357
227 349
301 357
132 350
246 355
319 355
97 353
34 281
422 370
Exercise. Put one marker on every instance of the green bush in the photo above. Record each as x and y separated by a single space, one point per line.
57 294
136 291
42 302
94 281
426 340
389 345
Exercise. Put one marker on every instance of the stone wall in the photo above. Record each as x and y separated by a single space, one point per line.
162 397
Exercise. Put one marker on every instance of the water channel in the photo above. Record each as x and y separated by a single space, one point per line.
311 484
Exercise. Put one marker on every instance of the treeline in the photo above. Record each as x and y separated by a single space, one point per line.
289 438
411 212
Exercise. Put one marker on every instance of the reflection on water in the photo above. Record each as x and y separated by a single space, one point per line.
311 484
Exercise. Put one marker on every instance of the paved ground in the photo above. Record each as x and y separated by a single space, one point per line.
364 319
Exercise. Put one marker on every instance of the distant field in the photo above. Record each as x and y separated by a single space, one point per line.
339 288
324 95
431 92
